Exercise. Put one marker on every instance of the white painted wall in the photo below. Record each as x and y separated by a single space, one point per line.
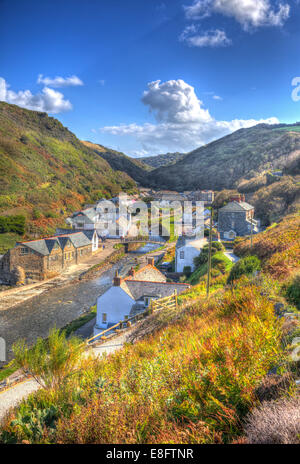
191 250
116 304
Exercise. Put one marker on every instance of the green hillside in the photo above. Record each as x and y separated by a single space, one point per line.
244 154
120 162
46 172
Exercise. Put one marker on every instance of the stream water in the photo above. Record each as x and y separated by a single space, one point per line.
59 306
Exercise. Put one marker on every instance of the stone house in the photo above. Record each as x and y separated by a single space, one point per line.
186 250
133 294
39 259
235 220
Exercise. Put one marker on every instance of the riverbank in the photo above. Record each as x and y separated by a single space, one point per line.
58 306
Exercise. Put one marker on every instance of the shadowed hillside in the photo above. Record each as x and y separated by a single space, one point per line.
244 154
120 162
162 160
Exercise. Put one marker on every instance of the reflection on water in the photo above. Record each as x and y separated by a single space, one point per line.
147 248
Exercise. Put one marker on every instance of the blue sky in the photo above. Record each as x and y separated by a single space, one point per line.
148 77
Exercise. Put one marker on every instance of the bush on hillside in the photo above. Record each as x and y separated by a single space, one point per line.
51 362
203 257
246 266
14 224
187 270
275 422
293 291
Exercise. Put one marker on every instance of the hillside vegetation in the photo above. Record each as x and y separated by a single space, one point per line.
278 247
162 160
272 201
222 164
120 162
46 172
206 369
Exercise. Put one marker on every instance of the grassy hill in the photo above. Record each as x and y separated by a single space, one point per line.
46 172
162 160
120 162
206 368
222 164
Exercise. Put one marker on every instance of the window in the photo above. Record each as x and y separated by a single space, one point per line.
182 255
24 251
104 318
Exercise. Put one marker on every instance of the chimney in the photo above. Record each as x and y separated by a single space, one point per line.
151 261
117 280
132 272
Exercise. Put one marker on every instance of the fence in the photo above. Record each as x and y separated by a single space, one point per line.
168 302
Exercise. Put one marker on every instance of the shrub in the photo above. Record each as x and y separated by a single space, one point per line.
275 422
203 257
14 224
273 387
246 266
187 270
51 362
293 291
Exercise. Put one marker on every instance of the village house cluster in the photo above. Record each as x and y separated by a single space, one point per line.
112 219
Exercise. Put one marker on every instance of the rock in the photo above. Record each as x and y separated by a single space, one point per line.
295 341
278 308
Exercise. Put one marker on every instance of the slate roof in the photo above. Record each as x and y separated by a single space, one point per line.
148 273
137 289
44 246
88 232
235 206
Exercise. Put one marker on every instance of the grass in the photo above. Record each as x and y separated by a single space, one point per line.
278 248
82 320
221 264
6 372
198 374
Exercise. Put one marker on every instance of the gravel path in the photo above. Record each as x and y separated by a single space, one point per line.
232 256
16 393
12 396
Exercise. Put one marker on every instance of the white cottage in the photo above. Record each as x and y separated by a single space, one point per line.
186 250
133 294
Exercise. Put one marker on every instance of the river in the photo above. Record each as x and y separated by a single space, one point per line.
59 306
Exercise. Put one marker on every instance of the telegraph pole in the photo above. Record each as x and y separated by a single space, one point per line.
209 253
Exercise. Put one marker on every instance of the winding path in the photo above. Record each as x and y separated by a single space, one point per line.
13 395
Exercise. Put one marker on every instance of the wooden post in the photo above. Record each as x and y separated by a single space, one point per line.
251 236
209 254
176 300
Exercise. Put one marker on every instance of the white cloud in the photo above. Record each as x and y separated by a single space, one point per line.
217 97
182 122
213 38
59 81
48 100
249 13
174 101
